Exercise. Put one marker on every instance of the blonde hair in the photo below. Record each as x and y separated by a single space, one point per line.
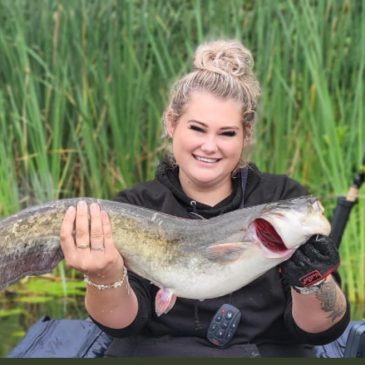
223 68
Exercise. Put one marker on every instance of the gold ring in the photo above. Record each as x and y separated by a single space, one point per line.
83 246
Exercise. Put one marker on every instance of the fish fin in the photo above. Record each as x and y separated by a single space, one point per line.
226 252
164 301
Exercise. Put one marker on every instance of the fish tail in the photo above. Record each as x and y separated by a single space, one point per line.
14 266
29 243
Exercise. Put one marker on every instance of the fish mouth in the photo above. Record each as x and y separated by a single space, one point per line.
268 236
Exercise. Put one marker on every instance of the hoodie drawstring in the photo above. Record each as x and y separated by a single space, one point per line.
195 211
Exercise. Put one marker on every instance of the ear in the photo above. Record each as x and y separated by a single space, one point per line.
247 133
169 123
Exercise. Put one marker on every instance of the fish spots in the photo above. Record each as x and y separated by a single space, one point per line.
157 222
154 217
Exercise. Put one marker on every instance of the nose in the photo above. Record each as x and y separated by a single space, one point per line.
209 145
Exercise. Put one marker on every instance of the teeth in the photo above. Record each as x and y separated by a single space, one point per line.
206 159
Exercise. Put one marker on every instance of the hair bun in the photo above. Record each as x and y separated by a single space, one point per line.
224 57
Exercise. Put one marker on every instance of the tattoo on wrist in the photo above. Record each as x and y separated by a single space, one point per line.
331 302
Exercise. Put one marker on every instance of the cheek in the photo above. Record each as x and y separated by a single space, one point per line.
181 147
234 148
186 141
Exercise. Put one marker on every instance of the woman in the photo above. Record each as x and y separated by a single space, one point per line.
209 122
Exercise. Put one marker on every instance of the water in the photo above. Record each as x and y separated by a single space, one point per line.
21 306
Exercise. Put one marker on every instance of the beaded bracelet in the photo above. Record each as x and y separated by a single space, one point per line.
114 285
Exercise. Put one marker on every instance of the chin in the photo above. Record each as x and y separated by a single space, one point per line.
206 180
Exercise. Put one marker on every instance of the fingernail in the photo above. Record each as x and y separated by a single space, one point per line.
70 209
81 204
94 206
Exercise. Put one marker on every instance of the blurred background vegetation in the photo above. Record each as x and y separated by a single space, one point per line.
83 84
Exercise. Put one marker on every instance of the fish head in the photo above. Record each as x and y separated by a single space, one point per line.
284 226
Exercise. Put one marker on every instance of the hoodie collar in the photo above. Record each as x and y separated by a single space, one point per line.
169 176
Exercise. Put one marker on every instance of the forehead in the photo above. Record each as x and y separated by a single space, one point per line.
206 107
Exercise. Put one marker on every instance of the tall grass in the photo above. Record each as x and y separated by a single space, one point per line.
83 86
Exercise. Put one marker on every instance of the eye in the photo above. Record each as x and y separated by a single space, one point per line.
196 128
229 133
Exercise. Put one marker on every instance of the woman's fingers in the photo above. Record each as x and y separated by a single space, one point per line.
82 226
96 229
107 231
66 234
92 250
111 253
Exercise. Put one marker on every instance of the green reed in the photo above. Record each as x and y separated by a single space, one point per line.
83 85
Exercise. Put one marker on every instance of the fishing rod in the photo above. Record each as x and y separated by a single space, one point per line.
345 204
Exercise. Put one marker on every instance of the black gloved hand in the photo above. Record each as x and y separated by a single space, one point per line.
311 263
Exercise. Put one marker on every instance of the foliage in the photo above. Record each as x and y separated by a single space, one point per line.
83 85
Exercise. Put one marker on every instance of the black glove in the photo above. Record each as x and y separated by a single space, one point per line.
311 262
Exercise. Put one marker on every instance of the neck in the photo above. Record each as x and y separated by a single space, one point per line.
208 195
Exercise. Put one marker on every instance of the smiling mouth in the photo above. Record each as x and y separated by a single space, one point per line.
207 159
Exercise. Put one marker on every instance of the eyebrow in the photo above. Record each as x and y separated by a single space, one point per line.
205 125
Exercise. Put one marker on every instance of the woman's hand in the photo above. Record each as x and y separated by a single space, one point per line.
317 301
311 262
87 245
92 250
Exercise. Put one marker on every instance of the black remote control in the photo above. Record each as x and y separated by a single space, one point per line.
224 325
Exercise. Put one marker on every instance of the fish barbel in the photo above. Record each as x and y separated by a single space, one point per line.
196 259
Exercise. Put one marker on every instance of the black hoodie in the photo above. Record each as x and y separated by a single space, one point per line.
265 304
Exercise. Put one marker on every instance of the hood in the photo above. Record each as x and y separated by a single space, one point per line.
169 176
